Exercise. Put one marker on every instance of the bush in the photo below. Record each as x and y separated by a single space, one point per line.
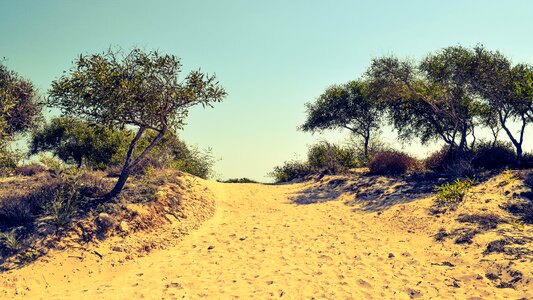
30 169
491 156
9 159
391 163
239 180
450 162
328 157
79 142
452 193
289 171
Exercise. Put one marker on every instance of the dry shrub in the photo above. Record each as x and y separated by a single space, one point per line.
392 163
485 221
454 163
30 169
494 156
21 207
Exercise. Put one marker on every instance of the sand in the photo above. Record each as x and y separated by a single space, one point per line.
261 244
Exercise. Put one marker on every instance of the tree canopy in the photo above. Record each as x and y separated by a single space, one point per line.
19 107
140 89
431 99
346 106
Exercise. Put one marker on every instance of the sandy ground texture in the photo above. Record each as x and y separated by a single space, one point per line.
294 241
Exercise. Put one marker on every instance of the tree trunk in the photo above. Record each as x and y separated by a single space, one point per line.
125 173
129 166
367 142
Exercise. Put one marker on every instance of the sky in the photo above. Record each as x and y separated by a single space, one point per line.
271 56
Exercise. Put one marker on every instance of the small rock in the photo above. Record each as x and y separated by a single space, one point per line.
105 222
124 227
391 255
210 247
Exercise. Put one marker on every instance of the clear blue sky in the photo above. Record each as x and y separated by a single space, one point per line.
271 56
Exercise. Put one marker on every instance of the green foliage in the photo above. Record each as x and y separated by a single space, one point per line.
138 89
9 160
239 180
506 90
391 162
452 193
9 241
347 106
289 171
19 108
171 152
429 100
79 142
329 157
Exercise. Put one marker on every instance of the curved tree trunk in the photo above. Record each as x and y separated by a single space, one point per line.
128 165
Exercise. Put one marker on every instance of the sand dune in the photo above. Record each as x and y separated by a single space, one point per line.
263 244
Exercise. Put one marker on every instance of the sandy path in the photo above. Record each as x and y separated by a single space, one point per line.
261 245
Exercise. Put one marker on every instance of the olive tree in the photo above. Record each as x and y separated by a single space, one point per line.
139 89
346 106
431 99
19 106
507 90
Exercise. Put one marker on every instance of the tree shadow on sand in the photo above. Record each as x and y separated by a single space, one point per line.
369 193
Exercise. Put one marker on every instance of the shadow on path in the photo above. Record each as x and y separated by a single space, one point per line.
368 193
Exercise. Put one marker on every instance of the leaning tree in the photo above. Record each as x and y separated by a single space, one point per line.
19 106
139 89
346 106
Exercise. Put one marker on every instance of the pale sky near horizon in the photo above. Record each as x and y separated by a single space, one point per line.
271 56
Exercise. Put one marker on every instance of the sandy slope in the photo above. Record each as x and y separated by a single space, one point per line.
262 245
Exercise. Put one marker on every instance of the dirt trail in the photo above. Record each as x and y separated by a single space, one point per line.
262 245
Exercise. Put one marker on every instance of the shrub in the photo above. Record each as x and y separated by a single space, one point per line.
451 162
452 193
391 163
289 171
30 169
19 208
78 142
239 180
493 156
332 158
9 159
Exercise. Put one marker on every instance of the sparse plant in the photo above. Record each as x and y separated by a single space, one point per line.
9 241
450 194
65 202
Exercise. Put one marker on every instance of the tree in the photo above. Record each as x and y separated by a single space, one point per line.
19 108
507 90
347 106
432 99
138 89
76 141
